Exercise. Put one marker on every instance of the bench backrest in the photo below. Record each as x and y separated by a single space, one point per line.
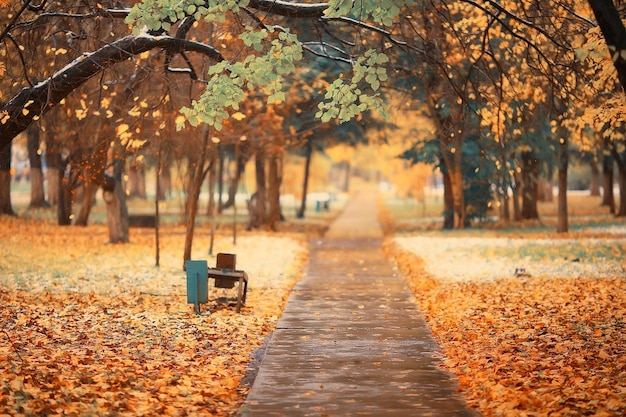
226 261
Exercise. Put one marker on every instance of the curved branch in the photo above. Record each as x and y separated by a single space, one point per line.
15 18
514 17
32 102
308 46
289 9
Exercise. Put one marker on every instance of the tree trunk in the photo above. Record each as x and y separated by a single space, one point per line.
516 188
614 33
89 199
505 209
64 197
258 206
458 198
212 206
273 191
346 181
5 181
544 189
448 201
305 183
594 186
53 177
562 223
622 194
165 180
37 196
530 178
220 180
234 183
608 198
136 180
193 196
117 211
620 160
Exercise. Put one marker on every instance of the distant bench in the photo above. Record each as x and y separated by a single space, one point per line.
142 220
225 275
322 201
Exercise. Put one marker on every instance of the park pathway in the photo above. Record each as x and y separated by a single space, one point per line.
351 341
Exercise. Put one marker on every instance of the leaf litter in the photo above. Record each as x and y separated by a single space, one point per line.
548 343
90 328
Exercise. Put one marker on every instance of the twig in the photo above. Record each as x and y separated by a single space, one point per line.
13 345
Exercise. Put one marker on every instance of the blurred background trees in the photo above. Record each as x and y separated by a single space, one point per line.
495 100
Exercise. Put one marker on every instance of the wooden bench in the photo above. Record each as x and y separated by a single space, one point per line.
142 220
225 275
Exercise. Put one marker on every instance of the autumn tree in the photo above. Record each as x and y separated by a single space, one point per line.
363 35
607 70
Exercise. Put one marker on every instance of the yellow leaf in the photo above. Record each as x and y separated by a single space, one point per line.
239 116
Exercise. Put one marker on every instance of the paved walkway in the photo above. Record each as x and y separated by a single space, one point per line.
350 341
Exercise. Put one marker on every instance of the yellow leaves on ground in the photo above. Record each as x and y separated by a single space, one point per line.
90 328
530 346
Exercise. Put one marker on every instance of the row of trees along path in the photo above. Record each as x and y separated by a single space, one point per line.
514 86
351 341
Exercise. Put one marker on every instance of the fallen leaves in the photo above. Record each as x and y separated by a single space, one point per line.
532 346
90 328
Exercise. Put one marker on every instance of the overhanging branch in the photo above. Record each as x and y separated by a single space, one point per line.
33 102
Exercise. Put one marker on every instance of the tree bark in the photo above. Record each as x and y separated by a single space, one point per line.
117 211
614 33
505 209
273 191
458 198
53 164
234 183
258 205
608 197
448 201
5 181
220 180
165 180
136 180
544 189
305 183
194 195
622 194
212 206
516 188
562 222
346 182
89 199
594 186
64 197
530 178
620 160
37 196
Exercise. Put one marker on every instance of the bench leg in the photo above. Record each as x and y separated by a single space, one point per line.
240 294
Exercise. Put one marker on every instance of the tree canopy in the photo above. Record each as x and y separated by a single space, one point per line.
497 71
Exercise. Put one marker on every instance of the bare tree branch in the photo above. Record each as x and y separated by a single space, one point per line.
32 102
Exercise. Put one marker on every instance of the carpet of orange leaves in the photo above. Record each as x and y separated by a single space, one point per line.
528 346
89 328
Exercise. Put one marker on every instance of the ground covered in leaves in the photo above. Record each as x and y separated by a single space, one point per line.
549 340
89 328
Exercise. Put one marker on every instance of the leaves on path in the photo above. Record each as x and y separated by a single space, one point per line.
532 346
90 328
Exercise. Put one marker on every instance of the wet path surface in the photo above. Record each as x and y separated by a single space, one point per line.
351 341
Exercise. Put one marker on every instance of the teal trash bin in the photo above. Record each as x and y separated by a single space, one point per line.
197 283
